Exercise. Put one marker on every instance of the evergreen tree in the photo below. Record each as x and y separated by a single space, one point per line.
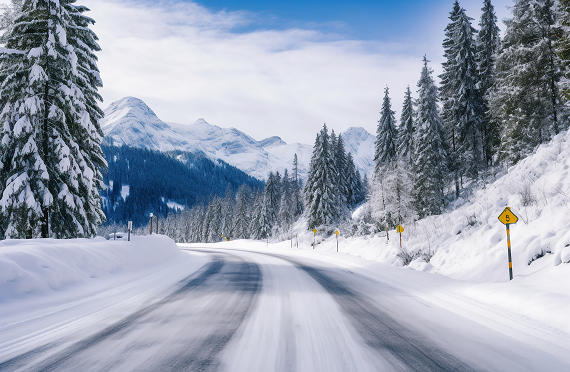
320 190
563 46
356 194
488 43
241 224
385 155
272 198
429 152
385 144
50 150
287 207
406 129
462 103
341 167
296 190
260 225
525 98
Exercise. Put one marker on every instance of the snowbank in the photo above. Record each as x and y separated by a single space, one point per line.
46 266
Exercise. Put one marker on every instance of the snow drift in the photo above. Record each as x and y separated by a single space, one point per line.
45 266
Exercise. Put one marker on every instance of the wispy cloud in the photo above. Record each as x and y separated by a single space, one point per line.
186 62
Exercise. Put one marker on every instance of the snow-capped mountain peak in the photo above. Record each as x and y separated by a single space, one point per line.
131 122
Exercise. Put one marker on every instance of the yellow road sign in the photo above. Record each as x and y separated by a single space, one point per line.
508 217
314 231
336 232
400 229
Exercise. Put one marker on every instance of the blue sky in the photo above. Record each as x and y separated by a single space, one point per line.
402 20
270 68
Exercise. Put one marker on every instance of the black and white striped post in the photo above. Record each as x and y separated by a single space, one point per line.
508 218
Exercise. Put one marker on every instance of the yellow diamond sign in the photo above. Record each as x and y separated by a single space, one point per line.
400 229
314 231
508 217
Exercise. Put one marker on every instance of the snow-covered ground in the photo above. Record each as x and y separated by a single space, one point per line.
50 288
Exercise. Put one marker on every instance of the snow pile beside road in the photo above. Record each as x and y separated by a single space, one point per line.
46 266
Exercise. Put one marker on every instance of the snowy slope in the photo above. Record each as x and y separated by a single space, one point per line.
469 243
130 121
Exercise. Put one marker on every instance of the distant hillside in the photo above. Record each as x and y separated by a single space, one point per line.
141 181
131 122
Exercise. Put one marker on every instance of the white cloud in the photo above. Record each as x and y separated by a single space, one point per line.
186 63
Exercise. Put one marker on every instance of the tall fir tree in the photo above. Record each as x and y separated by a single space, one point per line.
405 136
463 110
50 148
385 144
341 167
525 98
320 190
384 155
241 221
272 197
488 43
429 156
296 189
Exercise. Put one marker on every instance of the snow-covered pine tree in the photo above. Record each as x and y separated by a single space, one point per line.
296 189
488 43
260 226
287 207
384 157
429 155
354 184
385 144
406 128
242 220
341 166
463 111
228 204
320 197
525 98
272 195
49 151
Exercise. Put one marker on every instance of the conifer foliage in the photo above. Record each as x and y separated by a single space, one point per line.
462 103
430 157
525 99
50 149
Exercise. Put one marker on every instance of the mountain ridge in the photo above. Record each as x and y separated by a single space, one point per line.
129 121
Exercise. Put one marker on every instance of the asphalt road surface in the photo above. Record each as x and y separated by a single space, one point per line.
256 311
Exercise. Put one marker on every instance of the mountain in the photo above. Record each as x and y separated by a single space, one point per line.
140 181
131 122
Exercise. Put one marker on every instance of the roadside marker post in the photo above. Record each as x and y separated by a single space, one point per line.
336 233
387 236
129 228
151 224
314 237
508 218
400 229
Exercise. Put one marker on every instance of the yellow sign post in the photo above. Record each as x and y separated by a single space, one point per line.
400 230
336 233
314 237
507 218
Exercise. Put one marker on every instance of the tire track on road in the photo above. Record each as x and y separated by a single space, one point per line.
403 348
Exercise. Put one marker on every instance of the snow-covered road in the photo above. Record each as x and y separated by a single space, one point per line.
252 310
